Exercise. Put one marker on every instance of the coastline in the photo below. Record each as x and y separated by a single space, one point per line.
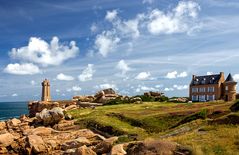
10 110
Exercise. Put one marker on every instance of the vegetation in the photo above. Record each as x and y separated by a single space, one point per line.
184 123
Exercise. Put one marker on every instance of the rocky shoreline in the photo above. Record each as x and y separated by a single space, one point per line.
54 132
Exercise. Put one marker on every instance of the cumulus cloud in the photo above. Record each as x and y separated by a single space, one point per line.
33 82
143 76
172 75
64 77
209 73
43 53
74 88
93 28
148 1
14 95
142 88
236 77
183 74
123 66
107 85
175 74
183 18
111 15
87 73
168 89
106 42
180 87
22 69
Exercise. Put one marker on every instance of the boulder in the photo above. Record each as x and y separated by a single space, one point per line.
71 107
50 117
36 144
13 122
84 98
235 107
40 131
105 95
75 143
102 147
6 139
2 125
118 150
156 147
83 150
136 100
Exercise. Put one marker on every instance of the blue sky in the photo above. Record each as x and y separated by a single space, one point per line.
133 46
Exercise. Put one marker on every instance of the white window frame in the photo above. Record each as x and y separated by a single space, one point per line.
211 89
202 89
194 90
194 97
202 98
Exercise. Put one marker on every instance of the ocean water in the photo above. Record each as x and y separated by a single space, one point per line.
10 110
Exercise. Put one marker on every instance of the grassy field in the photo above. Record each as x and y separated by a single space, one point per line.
180 122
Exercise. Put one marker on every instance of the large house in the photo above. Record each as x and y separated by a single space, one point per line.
212 87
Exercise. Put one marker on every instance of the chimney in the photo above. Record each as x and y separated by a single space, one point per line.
222 74
194 76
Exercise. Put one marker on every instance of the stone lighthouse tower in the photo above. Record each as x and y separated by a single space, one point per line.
230 89
46 96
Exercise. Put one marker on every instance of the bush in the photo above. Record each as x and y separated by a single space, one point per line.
116 101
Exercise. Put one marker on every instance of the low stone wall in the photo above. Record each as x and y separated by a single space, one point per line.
37 106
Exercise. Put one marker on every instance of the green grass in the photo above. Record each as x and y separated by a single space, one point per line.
143 120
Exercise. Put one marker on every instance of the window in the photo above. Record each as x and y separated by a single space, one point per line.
201 89
202 98
194 98
210 97
226 88
194 90
210 89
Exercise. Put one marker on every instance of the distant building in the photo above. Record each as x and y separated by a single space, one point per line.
46 96
212 87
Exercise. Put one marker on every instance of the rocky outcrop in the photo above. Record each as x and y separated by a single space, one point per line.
50 117
37 106
88 98
136 100
105 95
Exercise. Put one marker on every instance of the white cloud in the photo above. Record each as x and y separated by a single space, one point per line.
159 86
168 89
93 28
236 77
107 85
57 90
183 74
143 76
14 95
87 73
142 88
123 66
148 1
175 74
43 53
111 15
64 77
74 88
172 75
183 18
22 69
209 73
180 87
106 42
33 82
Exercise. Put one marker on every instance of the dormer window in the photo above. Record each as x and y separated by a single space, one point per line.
196 81
204 81
212 80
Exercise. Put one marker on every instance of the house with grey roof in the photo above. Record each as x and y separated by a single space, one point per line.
212 87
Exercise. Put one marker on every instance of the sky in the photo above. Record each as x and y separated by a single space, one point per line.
83 46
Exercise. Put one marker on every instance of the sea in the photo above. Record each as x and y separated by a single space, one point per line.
10 110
